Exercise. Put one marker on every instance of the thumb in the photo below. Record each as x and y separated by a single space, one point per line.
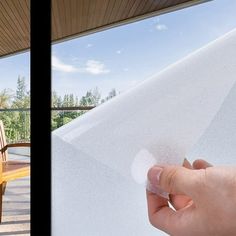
176 180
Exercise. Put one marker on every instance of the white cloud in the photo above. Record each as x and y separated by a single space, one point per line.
161 27
96 67
118 51
58 65
92 67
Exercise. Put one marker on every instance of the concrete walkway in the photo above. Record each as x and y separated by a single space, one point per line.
16 205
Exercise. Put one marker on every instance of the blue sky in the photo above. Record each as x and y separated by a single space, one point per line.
123 56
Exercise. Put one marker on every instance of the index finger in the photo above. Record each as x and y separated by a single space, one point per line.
160 214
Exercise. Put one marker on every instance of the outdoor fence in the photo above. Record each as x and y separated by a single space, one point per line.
17 120
62 115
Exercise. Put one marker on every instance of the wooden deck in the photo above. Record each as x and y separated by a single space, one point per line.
16 205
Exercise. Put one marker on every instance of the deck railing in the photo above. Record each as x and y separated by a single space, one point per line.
17 120
62 115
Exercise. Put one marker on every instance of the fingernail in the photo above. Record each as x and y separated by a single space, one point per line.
154 175
157 190
150 187
153 182
187 164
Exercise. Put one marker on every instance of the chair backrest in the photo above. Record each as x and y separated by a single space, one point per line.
3 143
0 173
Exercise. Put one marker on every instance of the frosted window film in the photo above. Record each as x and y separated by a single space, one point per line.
100 159
218 144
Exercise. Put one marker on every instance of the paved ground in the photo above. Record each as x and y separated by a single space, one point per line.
16 205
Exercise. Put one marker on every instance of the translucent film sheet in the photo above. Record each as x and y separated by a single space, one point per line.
100 160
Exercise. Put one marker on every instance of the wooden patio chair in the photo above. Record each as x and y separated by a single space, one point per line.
10 170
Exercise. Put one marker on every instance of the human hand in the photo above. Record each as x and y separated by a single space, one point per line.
203 198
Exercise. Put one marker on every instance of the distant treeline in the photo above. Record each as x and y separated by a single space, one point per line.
91 98
17 123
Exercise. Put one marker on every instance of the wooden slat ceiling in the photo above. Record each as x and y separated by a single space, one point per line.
14 26
75 18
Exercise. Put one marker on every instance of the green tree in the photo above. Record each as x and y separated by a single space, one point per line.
22 98
5 98
54 114
21 123
96 96
92 98
17 124
71 100
54 99
111 94
60 118
67 116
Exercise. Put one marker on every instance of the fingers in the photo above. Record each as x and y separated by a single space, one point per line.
201 164
174 179
184 185
155 203
180 201
159 213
